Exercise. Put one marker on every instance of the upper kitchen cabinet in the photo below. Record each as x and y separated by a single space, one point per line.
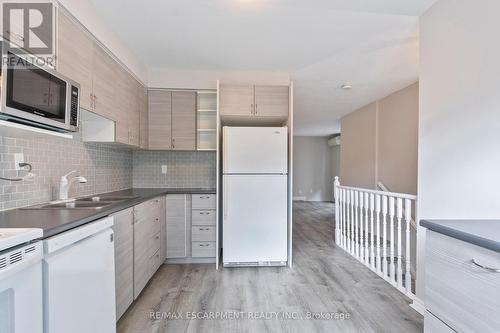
236 100
254 105
184 120
126 111
74 59
160 119
172 120
271 101
104 75
143 117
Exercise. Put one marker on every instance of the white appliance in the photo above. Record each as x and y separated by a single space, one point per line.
255 166
79 280
21 296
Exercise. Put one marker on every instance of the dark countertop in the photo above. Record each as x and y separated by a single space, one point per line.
55 221
484 233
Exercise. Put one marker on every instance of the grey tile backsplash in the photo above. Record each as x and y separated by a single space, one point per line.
106 167
184 169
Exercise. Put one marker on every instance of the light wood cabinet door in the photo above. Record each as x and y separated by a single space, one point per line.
74 56
163 230
183 120
122 113
236 100
143 118
142 241
123 229
160 119
135 112
271 101
176 226
104 79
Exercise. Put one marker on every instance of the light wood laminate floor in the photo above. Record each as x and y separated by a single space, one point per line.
324 279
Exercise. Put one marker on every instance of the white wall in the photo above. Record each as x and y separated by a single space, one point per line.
312 168
181 79
85 12
459 134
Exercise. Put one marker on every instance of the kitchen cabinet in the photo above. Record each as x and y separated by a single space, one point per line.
104 79
203 231
271 101
74 56
160 119
107 89
236 100
172 120
177 225
259 102
143 118
460 279
123 229
149 219
126 111
184 120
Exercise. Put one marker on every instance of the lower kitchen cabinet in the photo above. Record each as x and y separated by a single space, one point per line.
191 231
140 249
123 229
177 220
149 221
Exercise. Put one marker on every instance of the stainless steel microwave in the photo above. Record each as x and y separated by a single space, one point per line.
37 95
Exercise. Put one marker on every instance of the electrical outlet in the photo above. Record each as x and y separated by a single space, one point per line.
18 158
164 169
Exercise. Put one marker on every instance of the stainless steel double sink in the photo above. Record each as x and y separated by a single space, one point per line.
95 202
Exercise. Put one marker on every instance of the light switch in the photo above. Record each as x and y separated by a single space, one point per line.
164 169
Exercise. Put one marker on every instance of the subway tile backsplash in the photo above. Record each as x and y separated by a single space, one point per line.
106 167
184 169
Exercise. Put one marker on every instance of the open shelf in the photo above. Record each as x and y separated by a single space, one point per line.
207 120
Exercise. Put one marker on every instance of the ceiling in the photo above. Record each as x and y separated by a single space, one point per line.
372 44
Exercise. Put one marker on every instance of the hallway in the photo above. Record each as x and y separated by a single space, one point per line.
324 281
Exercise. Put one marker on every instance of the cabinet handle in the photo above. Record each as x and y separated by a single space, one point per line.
489 269
157 219
252 109
255 108
157 237
173 143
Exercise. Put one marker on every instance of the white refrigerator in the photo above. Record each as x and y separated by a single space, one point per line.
255 168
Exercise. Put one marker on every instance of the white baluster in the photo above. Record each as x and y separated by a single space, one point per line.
352 223
343 219
377 234
391 243
384 237
408 254
372 252
367 207
348 227
336 185
356 230
399 269
361 222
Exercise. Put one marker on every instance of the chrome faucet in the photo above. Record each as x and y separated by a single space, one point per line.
65 184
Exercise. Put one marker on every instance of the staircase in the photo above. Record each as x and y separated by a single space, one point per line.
375 227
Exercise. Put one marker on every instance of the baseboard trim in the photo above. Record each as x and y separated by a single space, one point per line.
418 305
299 198
176 261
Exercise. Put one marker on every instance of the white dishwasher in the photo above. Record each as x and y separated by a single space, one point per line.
79 280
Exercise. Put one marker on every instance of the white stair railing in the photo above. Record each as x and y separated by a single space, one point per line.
363 220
